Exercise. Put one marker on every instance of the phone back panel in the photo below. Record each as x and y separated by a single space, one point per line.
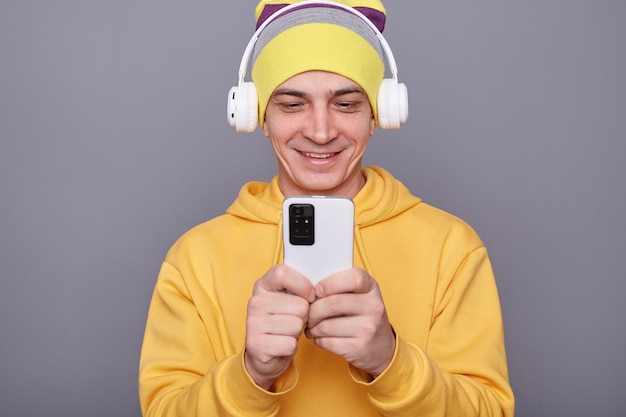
333 229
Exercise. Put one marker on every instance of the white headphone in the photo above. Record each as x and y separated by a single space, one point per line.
243 103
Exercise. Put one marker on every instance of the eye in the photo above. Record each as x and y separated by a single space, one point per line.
291 106
348 106
350 101
288 104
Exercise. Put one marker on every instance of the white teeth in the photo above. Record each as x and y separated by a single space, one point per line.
318 155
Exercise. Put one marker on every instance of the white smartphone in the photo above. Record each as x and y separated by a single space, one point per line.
318 235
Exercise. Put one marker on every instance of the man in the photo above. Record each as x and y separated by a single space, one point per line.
413 329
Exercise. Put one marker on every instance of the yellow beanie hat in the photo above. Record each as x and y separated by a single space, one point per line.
318 36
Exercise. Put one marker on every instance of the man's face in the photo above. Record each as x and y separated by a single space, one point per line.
319 124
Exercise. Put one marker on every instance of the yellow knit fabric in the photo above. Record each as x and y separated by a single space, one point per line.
317 46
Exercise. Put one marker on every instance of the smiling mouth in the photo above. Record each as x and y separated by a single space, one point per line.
318 155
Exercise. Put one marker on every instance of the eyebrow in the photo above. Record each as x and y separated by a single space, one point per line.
332 93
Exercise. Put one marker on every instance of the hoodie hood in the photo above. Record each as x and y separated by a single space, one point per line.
381 198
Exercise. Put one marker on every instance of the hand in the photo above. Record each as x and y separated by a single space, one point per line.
274 322
350 320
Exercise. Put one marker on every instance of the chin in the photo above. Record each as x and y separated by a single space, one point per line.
322 187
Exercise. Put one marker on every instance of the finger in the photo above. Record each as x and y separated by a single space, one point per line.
282 278
270 303
277 325
269 357
354 280
334 327
364 343
337 305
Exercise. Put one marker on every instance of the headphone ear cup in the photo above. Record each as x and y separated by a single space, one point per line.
393 104
243 107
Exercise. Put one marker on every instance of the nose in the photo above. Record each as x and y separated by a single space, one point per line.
321 126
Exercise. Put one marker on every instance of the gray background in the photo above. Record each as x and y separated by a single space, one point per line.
113 141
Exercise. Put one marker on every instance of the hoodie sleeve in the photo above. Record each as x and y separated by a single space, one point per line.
179 373
462 371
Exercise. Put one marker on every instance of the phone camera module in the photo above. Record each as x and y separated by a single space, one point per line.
301 224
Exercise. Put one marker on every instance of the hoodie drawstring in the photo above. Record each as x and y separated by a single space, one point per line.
278 250
361 249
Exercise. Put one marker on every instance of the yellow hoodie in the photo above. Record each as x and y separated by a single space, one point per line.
438 287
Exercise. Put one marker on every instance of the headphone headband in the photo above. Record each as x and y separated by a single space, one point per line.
247 54
243 100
